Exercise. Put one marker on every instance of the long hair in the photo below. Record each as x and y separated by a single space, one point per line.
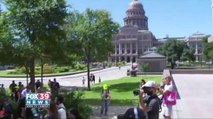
53 110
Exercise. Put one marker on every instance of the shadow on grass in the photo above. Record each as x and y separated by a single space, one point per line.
114 102
121 87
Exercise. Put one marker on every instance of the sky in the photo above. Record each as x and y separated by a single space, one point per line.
175 18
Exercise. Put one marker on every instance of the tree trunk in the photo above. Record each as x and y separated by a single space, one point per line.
88 74
88 65
32 74
172 65
42 72
27 74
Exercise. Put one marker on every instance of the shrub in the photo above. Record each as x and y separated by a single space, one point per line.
80 66
47 69
74 100
62 69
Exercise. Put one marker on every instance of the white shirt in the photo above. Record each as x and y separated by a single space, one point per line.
168 87
24 93
62 111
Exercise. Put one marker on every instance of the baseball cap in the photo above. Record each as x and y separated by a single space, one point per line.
133 113
149 84
105 86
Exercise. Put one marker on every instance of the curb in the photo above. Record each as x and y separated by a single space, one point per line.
53 75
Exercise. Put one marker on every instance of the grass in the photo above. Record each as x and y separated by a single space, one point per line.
121 90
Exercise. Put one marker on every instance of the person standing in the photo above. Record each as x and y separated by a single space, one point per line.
52 112
168 88
150 103
99 80
61 108
106 97
38 84
55 88
13 89
83 81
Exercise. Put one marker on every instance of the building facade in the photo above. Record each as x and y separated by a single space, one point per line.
195 41
134 38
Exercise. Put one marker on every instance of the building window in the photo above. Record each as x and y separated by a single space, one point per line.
128 45
133 51
133 45
139 37
122 58
122 46
128 51
123 51
140 51
117 51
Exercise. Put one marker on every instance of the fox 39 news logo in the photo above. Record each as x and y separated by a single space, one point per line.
37 100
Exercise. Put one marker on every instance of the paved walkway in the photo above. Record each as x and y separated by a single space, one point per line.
196 93
76 79
115 110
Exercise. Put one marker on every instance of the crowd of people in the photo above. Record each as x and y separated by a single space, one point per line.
151 98
92 79
56 109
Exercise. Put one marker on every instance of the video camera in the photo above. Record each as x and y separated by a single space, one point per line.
137 92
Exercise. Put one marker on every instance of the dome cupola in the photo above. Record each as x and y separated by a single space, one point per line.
136 15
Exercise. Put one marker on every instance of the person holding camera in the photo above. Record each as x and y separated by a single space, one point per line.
150 103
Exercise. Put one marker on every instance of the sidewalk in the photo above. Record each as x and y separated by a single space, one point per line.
115 110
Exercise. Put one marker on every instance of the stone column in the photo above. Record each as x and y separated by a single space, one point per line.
136 48
196 53
115 49
130 48
119 48
125 48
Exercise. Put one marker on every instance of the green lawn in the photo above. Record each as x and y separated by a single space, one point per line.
121 90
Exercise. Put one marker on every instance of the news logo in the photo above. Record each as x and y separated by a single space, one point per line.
36 100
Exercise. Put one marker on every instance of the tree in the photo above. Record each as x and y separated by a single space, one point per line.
37 26
6 48
187 55
93 31
207 49
145 67
175 50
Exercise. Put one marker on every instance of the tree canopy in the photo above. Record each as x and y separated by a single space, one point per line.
92 32
176 50
207 49
37 28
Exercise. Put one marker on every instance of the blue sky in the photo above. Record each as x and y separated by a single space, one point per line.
173 17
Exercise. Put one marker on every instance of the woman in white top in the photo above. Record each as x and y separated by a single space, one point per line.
168 88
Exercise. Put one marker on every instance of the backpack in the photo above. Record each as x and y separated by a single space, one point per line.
155 97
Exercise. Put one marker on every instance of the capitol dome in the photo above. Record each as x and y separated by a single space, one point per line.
135 4
135 15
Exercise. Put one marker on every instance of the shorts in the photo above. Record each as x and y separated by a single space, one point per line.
167 110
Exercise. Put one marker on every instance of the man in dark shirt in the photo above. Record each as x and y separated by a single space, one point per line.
13 89
150 103
38 84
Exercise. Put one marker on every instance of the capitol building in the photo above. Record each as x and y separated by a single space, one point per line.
134 38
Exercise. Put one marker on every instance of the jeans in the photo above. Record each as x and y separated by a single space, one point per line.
104 106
